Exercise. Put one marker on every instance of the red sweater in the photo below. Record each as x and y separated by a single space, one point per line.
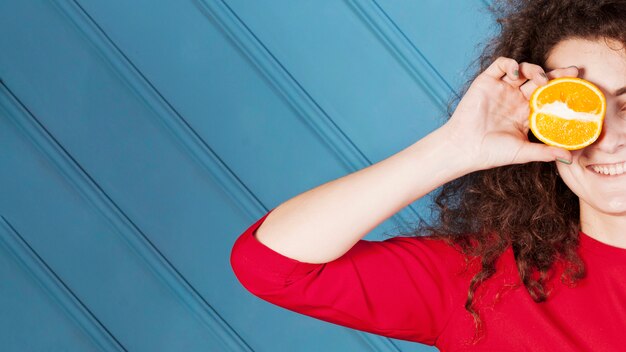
414 288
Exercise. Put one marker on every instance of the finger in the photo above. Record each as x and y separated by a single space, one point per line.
528 72
530 86
515 83
571 71
503 66
542 152
537 78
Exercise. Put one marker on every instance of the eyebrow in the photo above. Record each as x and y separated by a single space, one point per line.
620 91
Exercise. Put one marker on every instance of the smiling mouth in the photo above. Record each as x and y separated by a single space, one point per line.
611 170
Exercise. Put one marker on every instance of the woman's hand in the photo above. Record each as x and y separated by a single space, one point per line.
490 123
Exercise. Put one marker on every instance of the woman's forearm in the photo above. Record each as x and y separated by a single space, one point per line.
322 224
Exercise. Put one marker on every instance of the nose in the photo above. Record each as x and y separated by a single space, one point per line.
613 135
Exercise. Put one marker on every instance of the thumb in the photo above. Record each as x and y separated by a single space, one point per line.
542 152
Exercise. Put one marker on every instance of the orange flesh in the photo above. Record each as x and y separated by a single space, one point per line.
564 131
576 96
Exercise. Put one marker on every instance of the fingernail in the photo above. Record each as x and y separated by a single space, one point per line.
564 161
576 67
544 75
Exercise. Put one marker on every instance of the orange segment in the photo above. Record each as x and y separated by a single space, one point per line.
564 131
567 112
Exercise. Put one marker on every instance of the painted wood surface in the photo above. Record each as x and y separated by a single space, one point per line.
140 138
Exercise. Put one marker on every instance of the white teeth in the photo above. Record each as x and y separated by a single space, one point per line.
617 169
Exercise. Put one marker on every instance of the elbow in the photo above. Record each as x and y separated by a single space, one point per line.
251 272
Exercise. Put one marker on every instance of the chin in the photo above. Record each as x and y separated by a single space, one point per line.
615 207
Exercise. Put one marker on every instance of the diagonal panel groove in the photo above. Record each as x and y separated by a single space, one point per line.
409 56
121 223
183 132
271 68
56 288
292 91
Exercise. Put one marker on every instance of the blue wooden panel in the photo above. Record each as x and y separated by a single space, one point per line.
333 52
89 240
61 213
32 320
146 141
446 33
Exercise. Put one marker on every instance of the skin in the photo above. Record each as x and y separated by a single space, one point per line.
602 197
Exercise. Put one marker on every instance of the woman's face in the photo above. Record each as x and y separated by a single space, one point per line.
606 68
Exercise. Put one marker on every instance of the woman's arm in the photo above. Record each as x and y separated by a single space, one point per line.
488 129
323 223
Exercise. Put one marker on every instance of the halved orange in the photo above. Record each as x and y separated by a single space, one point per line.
568 112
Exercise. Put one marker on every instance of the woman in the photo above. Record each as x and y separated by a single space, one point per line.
528 253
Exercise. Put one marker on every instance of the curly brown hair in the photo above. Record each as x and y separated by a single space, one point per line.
526 206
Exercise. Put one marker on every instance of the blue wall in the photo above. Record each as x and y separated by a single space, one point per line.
140 138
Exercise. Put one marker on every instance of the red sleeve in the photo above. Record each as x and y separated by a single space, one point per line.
402 287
